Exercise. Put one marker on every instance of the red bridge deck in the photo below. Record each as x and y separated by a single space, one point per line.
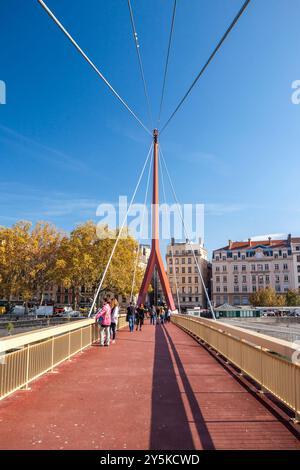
155 389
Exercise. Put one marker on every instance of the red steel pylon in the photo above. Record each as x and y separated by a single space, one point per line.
155 258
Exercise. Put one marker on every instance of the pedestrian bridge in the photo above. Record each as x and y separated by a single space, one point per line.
190 384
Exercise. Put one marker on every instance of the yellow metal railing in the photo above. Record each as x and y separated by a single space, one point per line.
23 358
273 373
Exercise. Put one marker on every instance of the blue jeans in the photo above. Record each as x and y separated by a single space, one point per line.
131 323
152 319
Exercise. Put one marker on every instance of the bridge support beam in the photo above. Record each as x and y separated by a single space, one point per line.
155 259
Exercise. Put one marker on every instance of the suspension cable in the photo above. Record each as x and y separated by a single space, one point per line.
51 14
137 46
120 233
167 62
187 237
235 20
172 254
142 224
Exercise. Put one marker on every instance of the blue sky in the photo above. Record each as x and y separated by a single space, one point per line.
67 145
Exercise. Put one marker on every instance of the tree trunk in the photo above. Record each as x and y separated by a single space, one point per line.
42 299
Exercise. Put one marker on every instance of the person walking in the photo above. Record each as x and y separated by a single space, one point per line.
140 315
153 315
169 315
130 317
103 318
114 319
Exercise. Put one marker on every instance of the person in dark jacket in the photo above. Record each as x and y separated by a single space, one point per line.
140 315
130 317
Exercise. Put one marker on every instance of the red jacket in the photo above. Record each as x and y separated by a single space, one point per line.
105 312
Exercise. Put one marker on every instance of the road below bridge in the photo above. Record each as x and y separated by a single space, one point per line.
154 389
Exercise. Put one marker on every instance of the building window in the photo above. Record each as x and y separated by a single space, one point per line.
183 299
224 268
225 288
197 299
171 270
259 267
266 267
189 260
253 267
190 270
285 267
284 255
253 279
196 279
235 267
267 279
170 261
260 280
218 279
244 267
182 260
236 288
189 280
183 270
183 280
276 267
183 290
253 288
244 288
236 279
277 279
218 289
244 279
286 278
298 258
176 261
225 279
217 269
177 270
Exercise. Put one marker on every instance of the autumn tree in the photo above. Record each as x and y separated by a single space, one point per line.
267 298
293 298
83 257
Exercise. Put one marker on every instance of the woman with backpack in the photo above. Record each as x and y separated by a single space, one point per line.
103 318
114 319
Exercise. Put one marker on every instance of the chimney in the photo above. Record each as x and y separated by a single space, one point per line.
289 239
172 241
229 244
249 241
269 240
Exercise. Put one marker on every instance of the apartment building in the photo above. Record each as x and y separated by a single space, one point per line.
183 273
241 268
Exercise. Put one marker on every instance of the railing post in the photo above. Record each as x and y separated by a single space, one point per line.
52 355
262 390
297 415
69 345
27 366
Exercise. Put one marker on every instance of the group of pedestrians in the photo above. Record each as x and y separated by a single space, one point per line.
159 315
136 315
107 319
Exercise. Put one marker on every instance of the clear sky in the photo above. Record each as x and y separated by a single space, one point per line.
67 145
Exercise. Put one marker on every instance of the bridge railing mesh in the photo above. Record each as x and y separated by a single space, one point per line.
273 373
